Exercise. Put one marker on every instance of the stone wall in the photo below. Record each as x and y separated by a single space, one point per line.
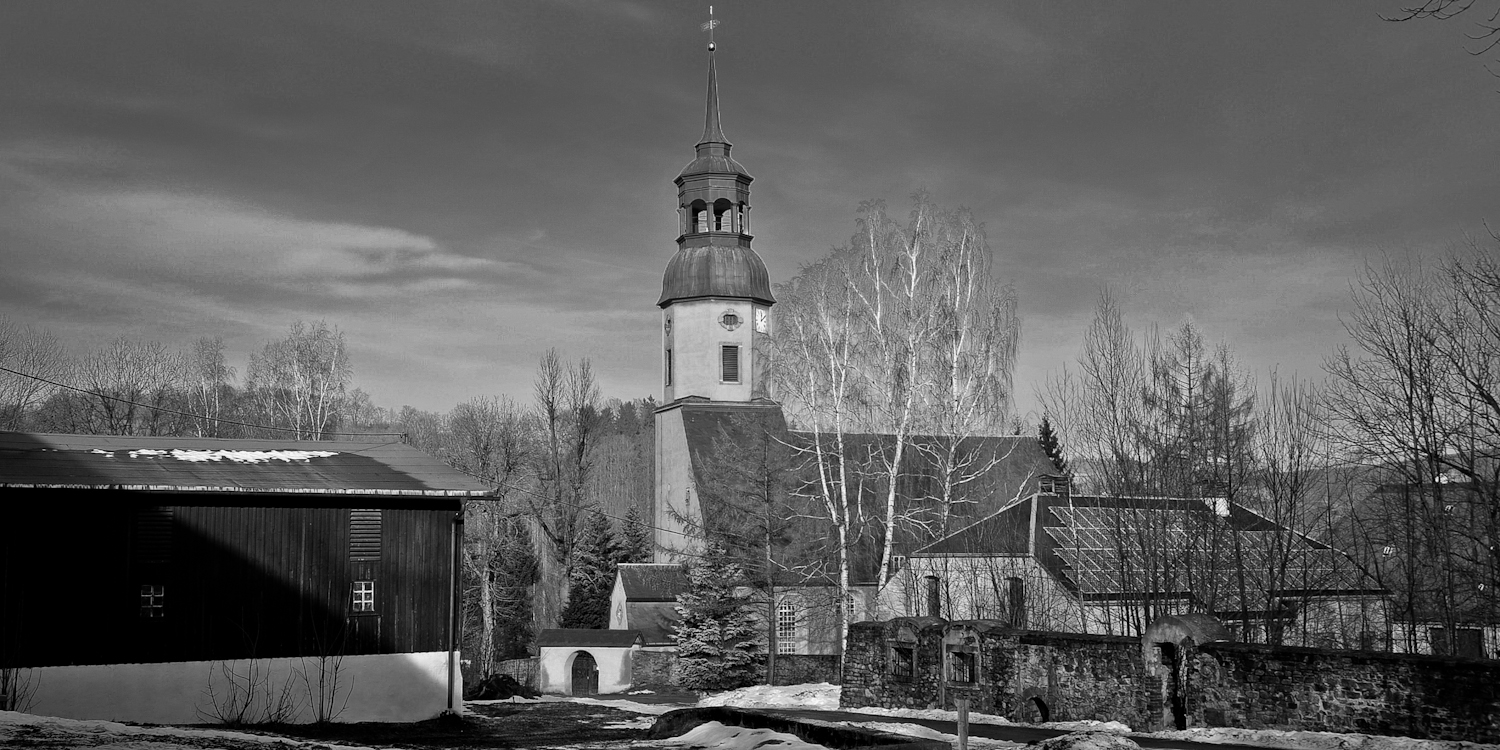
652 670
1183 672
1018 674
799 669
1254 686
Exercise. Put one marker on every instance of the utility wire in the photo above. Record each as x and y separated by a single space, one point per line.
95 394
590 508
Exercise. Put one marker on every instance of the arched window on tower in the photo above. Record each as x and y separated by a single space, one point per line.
699 212
723 215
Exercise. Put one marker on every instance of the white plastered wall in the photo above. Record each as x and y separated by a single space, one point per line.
377 687
676 497
555 668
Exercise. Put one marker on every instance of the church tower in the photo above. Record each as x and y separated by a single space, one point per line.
716 322
715 294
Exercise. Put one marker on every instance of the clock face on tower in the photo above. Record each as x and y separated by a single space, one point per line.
762 320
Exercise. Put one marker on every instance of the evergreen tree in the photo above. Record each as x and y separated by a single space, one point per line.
514 572
1051 445
716 633
635 538
593 574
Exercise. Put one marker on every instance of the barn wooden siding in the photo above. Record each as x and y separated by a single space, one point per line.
265 581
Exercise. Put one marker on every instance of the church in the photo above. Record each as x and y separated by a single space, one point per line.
718 416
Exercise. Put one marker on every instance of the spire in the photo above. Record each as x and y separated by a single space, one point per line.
712 131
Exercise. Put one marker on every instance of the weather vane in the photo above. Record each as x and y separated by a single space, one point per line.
709 27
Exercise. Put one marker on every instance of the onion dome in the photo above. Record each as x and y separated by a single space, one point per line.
716 271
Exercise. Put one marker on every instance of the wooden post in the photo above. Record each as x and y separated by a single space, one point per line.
963 723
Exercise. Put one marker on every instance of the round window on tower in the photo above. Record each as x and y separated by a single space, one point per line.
730 320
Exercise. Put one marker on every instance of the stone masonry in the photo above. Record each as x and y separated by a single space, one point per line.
1183 672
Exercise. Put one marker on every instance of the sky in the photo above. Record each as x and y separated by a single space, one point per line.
460 186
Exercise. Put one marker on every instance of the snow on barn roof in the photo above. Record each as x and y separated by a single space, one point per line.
180 464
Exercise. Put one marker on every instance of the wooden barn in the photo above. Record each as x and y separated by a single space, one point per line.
194 580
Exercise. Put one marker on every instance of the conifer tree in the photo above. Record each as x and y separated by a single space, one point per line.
1051 445
593 574
635 538
716 634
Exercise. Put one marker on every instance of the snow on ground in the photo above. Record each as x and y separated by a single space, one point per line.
823 696
917 730
819 696
655 709
716 736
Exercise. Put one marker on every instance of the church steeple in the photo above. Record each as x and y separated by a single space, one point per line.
715 294
714 258
713 131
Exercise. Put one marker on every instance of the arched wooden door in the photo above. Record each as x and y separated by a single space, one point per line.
585 674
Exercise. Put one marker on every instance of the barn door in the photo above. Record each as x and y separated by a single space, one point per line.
585 674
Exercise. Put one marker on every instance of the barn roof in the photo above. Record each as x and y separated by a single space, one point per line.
652 582
589 637
181 464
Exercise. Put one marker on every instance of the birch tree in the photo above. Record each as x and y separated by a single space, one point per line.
300 382
905 333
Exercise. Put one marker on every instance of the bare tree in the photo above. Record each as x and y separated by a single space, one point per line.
904 333
34 352
130 387
491 438
300 382
209 380
567 404
1486 36
1416 403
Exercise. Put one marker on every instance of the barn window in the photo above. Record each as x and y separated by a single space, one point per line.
364 534
153 600
364 596
786 626
729 363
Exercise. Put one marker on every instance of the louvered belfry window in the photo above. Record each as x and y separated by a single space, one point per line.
153 535
729 355
364 534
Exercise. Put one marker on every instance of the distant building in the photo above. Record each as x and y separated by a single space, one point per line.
1110 565
186 580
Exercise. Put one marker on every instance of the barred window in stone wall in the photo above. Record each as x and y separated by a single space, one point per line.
903 662
961 666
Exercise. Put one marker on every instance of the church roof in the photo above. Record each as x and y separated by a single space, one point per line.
652 582
715 271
